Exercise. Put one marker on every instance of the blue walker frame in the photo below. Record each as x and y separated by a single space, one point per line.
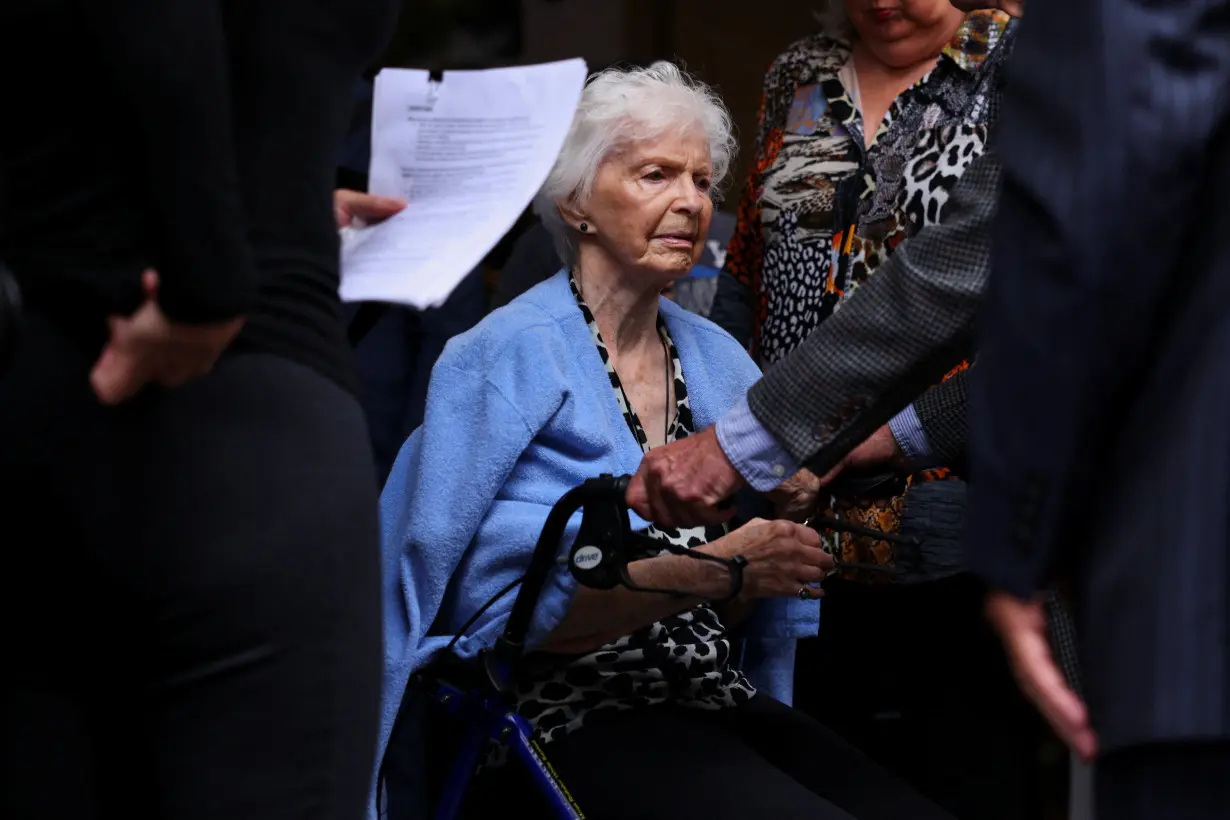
487 711
487 717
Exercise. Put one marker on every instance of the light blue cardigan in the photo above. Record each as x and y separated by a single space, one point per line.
520 410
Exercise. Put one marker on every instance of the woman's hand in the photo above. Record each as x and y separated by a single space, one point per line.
349 206
795 498
782 558
147 347
879 453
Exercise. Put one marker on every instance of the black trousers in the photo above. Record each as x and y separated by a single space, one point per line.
762 759
1168 781
915 677
190 593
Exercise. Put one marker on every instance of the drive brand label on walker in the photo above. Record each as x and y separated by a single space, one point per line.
587 558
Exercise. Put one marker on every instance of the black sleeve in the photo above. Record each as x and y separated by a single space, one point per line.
168 63
533 259
732 309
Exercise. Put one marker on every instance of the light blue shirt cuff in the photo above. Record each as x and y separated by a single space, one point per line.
752 449
908 431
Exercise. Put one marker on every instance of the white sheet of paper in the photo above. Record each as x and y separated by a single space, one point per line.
467 154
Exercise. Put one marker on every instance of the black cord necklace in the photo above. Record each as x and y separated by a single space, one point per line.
666 421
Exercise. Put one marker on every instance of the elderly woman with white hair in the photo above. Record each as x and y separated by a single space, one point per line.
639 700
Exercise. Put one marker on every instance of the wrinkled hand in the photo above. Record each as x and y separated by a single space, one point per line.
782 558
682 484
879 452
148 347
796 498
351 205
1022 626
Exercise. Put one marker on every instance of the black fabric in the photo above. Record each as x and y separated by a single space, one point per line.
761 759
365 318
732 309
10 317
1098 431
1172 781
531 259
500 254
199 138
351 180
933 513
914 676
190 597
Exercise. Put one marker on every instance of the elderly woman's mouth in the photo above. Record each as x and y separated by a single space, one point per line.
676 240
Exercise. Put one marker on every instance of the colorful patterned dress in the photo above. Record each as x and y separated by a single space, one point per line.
821 212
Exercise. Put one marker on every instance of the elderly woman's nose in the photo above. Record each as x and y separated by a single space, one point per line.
690 198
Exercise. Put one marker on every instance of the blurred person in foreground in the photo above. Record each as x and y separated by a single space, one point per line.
1099 426
191 617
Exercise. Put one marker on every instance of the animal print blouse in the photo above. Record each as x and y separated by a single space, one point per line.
821 212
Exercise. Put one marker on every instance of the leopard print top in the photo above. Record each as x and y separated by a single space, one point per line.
812 178
684 659
821 212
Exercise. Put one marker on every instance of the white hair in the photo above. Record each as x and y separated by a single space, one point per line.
619 106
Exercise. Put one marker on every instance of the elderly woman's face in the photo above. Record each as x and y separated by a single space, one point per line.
893 20
650 204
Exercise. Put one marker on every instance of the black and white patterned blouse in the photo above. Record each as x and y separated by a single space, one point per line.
683 659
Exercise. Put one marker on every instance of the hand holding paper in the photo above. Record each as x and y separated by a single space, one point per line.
467 155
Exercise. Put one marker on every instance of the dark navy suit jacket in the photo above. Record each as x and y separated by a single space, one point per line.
1100 411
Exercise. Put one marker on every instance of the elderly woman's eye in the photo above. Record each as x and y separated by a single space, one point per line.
655 176
704 184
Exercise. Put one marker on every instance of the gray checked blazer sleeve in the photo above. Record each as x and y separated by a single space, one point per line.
895 336
944 415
